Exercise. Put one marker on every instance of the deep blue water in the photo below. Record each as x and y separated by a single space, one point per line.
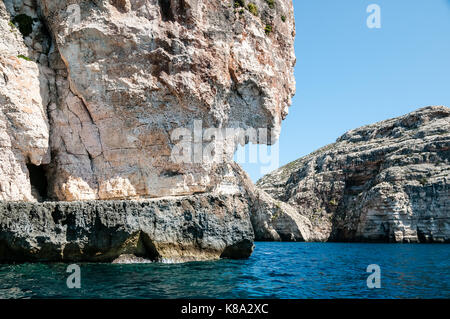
275 270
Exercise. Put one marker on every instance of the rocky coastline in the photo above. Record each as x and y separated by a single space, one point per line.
384 182
95 97
96 101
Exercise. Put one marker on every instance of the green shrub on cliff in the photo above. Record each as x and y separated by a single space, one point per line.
12 26
21 56
253 9
333 202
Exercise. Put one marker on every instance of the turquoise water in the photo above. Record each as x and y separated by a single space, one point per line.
275 270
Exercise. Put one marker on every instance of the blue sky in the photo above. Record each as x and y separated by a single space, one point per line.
349 75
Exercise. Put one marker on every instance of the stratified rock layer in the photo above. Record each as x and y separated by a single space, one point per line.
272 219
169 230
387 181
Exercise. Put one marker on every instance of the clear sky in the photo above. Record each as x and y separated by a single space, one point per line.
349 75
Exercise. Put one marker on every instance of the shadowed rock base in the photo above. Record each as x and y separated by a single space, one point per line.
179 229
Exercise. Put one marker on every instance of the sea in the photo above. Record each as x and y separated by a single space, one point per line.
275 270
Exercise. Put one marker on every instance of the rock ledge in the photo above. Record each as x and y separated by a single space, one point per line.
176 229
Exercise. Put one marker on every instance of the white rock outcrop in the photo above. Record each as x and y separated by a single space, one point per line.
118 78
24 97
138 70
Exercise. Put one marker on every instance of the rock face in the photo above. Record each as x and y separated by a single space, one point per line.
136 71
24 96
170 230
272 219
119 78
131 100
387 181
100 98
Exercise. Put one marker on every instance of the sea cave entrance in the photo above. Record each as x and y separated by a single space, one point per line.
38 181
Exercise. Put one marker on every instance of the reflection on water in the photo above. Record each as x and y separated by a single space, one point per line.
275 270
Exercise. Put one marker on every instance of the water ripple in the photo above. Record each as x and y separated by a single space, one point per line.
275 270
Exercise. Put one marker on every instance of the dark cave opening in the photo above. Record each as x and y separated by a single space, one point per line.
38 181
166 10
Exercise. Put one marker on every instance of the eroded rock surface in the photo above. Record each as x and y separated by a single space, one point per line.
24 97
138 70
272 219
91 93
388 181
116 78
170 230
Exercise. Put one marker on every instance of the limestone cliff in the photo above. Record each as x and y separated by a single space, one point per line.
24 97
387 181
147 68
93 93
116 78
